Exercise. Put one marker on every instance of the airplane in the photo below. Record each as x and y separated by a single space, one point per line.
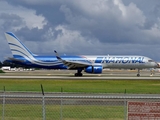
89 63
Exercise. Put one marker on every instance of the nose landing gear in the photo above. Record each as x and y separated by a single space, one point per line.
138 74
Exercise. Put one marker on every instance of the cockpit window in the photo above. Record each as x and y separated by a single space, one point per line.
150 61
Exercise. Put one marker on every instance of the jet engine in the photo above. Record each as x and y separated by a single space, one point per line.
94 69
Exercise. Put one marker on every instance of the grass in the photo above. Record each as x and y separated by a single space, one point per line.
69 112
82 86
1 71
73 112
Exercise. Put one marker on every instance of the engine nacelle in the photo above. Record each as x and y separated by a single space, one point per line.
94 69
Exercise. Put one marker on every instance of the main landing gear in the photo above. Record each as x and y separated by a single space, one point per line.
78 73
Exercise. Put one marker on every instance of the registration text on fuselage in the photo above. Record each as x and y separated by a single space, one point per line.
123 60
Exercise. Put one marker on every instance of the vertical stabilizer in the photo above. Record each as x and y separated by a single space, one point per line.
17 48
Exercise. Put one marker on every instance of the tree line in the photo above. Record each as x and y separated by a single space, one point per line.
12 65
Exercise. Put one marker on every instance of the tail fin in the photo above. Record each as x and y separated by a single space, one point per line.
17 48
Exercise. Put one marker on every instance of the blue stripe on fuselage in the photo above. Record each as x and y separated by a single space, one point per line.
50 61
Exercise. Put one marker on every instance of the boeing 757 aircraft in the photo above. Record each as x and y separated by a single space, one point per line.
90 64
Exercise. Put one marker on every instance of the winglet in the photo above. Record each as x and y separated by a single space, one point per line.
57 55
55 51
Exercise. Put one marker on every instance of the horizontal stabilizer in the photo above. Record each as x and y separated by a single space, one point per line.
16 60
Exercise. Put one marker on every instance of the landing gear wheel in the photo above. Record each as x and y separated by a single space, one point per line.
78 74
138 75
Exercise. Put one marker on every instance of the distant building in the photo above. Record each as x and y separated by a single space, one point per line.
6 68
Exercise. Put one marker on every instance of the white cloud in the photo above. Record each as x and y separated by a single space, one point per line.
28 15
130 14
105 9
69 40
87 26
154 32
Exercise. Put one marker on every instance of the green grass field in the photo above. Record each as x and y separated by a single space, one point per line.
1 71
70 112
82 86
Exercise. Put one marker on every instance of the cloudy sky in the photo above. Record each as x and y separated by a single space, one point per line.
118 27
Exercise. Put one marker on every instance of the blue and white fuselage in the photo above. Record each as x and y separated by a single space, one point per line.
128 62
88 63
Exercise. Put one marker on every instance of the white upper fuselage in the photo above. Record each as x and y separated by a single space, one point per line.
121 61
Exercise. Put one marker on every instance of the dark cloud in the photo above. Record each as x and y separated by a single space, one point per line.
106 25
10 21
86 27
50 10
150 8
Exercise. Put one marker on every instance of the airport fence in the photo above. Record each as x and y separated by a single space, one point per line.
67 106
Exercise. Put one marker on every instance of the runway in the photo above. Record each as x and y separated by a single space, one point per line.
82 78
69 75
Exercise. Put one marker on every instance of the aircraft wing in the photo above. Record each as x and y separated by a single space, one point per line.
73 64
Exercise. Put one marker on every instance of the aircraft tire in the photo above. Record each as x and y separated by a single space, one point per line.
78 74
138 75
